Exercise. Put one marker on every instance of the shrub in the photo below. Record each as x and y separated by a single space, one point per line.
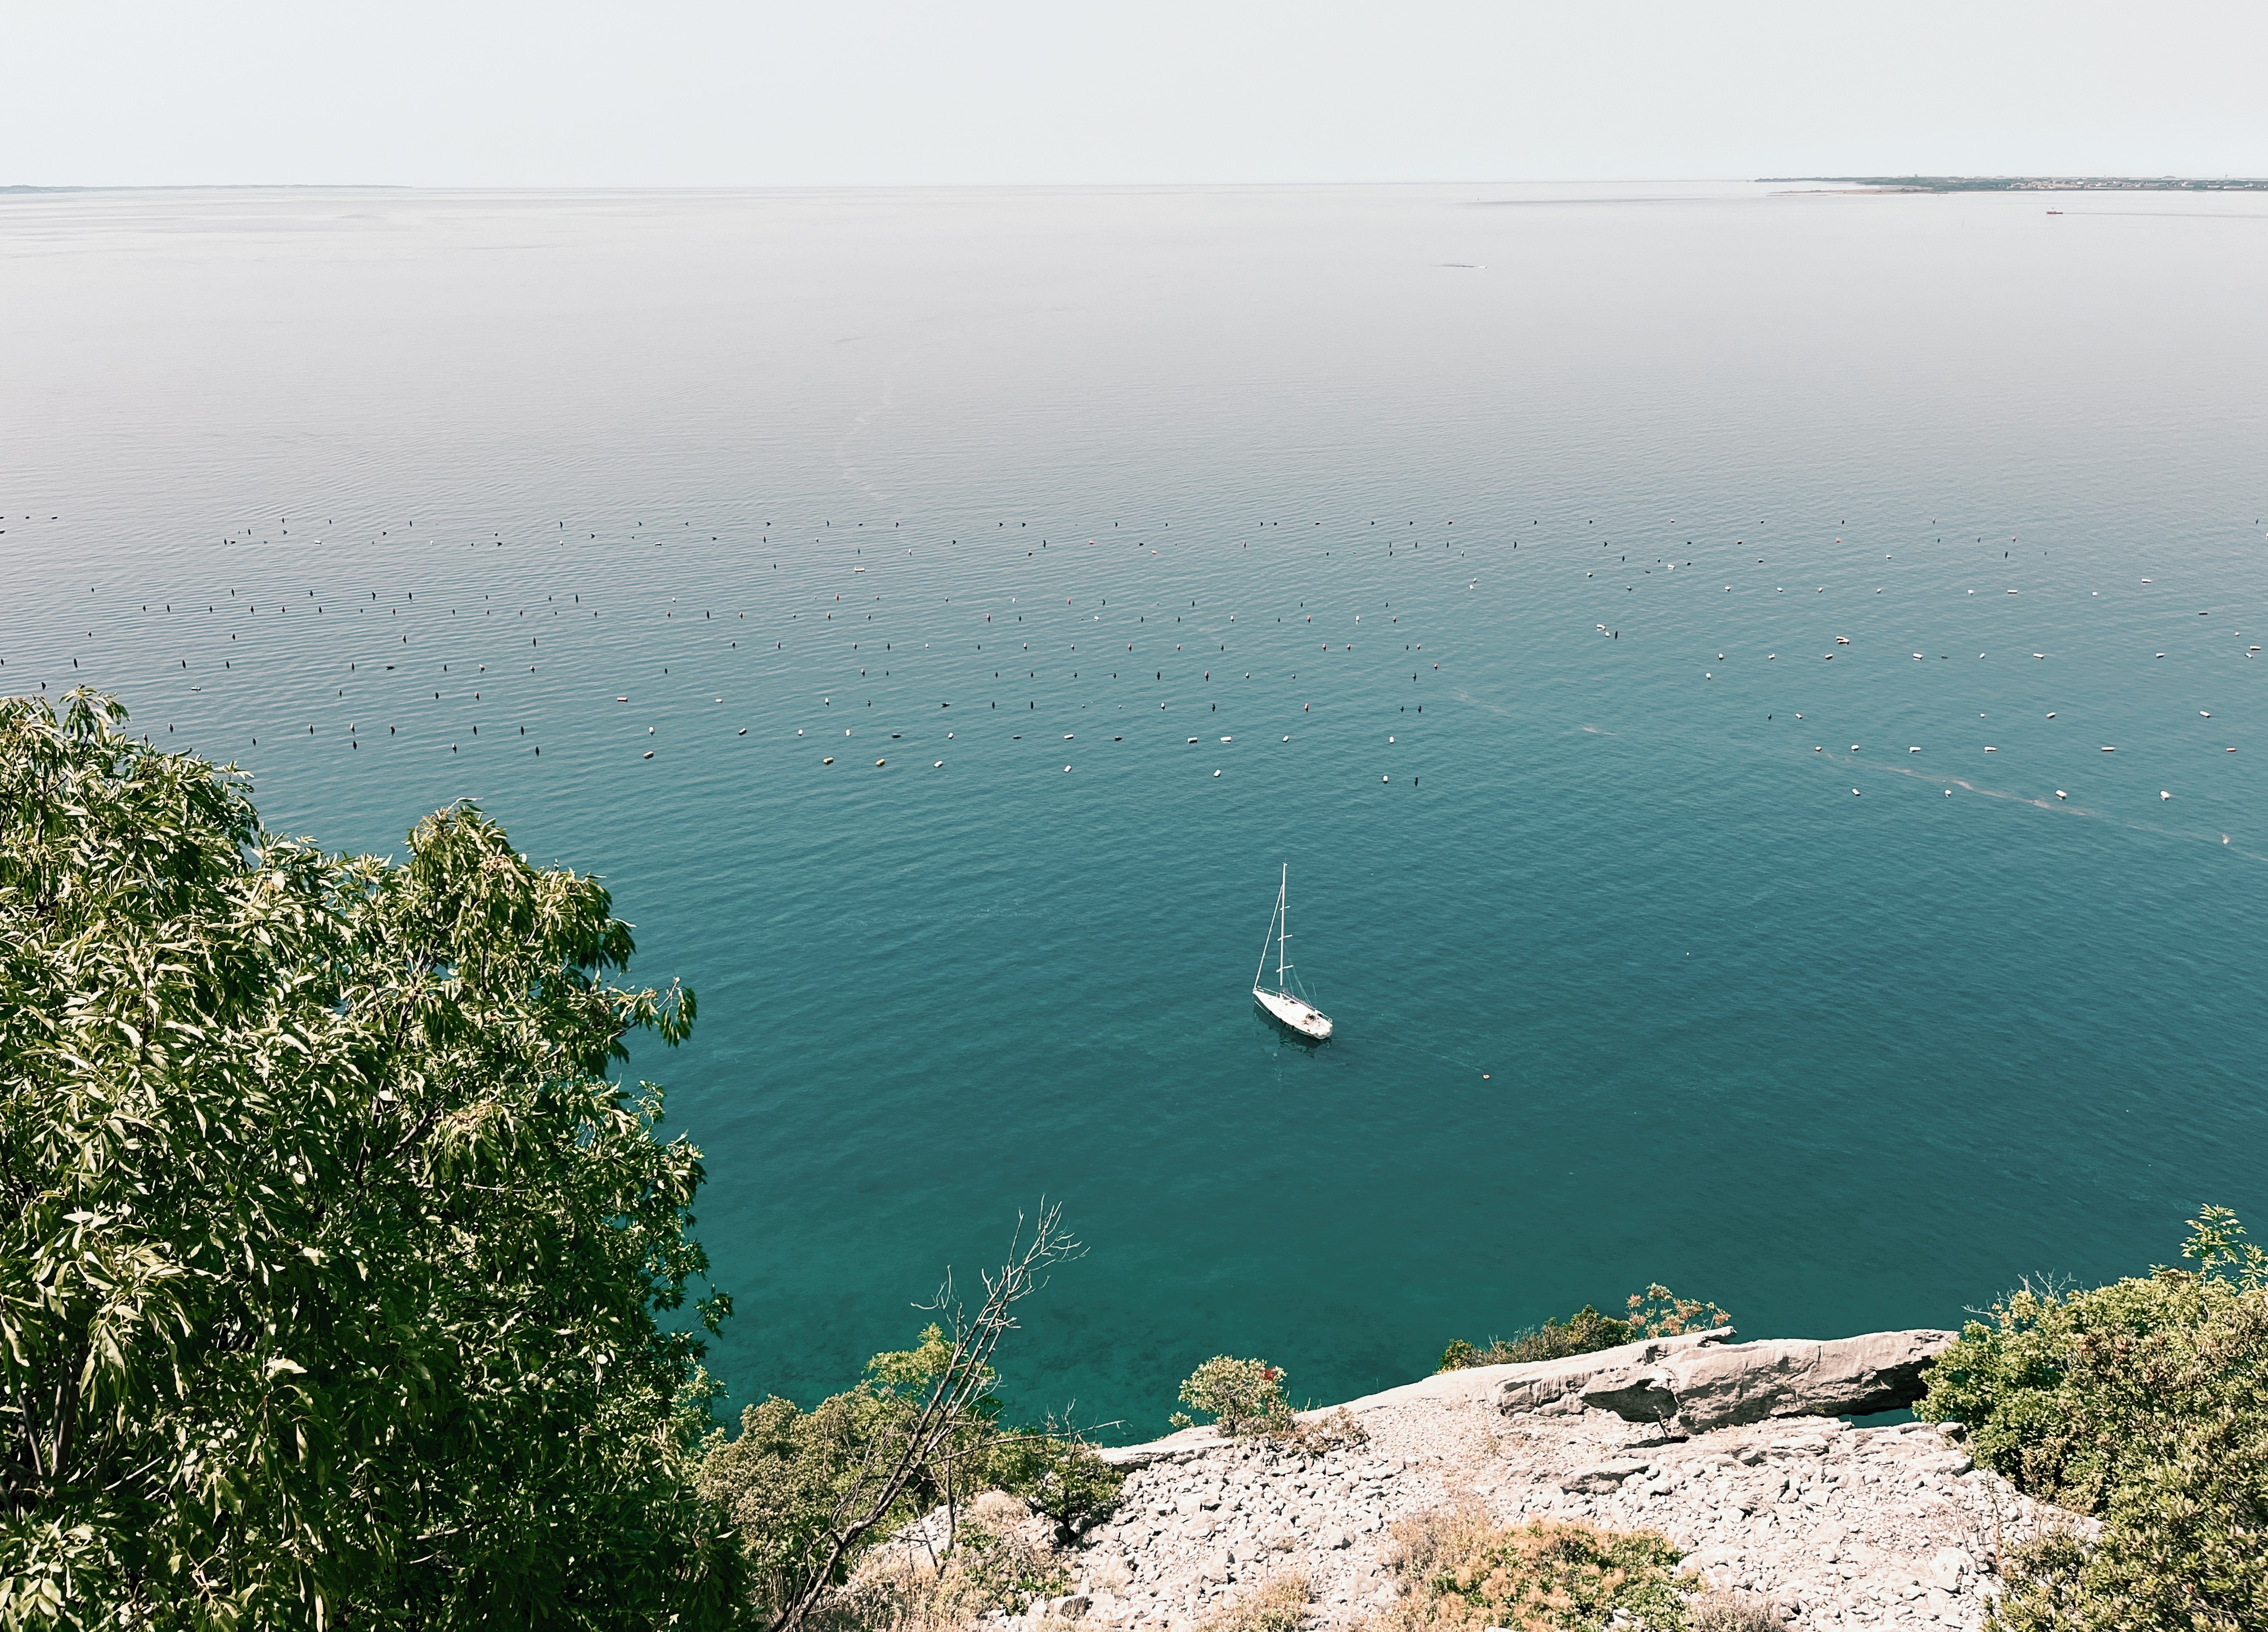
2145 1403
815 1495
1240 1396
1458 1569
1058 1474
995 1566
1582 1332
781 1480
1279 1604
1655 1312
784 1480
1658 1312
791 1475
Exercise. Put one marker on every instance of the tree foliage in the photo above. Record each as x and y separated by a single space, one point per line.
2145 1403
810 1493
783 1481
330 1259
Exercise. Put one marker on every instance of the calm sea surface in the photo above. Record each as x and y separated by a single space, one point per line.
1478 553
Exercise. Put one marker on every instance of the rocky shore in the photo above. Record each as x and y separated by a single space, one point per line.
1732 1451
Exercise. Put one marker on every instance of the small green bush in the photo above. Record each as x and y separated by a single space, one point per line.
1059 1475
1655 1312
1240 1396
1585 1331
2145 1403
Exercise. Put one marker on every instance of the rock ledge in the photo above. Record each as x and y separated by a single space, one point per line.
1842 1526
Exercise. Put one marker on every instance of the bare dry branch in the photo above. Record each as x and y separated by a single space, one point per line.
949 1407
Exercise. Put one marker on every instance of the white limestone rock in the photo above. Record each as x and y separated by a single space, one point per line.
1717 1386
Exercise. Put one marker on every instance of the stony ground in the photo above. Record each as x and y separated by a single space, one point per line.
1840 1526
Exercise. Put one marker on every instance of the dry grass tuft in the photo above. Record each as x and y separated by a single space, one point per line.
1459 1570
1718 1610
1279 1604
1001 1560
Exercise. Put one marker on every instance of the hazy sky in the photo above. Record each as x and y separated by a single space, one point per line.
695 92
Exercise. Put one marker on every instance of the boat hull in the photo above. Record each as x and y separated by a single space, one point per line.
1302 1020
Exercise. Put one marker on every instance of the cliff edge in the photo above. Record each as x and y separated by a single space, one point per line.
1736 1451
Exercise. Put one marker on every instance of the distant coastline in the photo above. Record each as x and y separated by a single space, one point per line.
2033 183
216 186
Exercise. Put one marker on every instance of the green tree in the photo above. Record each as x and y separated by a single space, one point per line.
1240 1396
330 1261
2145 1403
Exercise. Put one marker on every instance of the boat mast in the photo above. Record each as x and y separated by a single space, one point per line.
1260 968
1284 912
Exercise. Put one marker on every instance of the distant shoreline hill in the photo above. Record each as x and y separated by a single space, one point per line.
2033 183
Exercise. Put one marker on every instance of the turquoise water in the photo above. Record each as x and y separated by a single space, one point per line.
1654 952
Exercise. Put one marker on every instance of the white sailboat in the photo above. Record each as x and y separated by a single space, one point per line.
1284 1006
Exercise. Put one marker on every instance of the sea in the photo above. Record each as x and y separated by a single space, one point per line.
1756 690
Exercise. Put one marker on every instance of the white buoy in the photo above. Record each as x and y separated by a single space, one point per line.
2162 793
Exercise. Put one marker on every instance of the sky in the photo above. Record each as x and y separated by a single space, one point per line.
882 92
